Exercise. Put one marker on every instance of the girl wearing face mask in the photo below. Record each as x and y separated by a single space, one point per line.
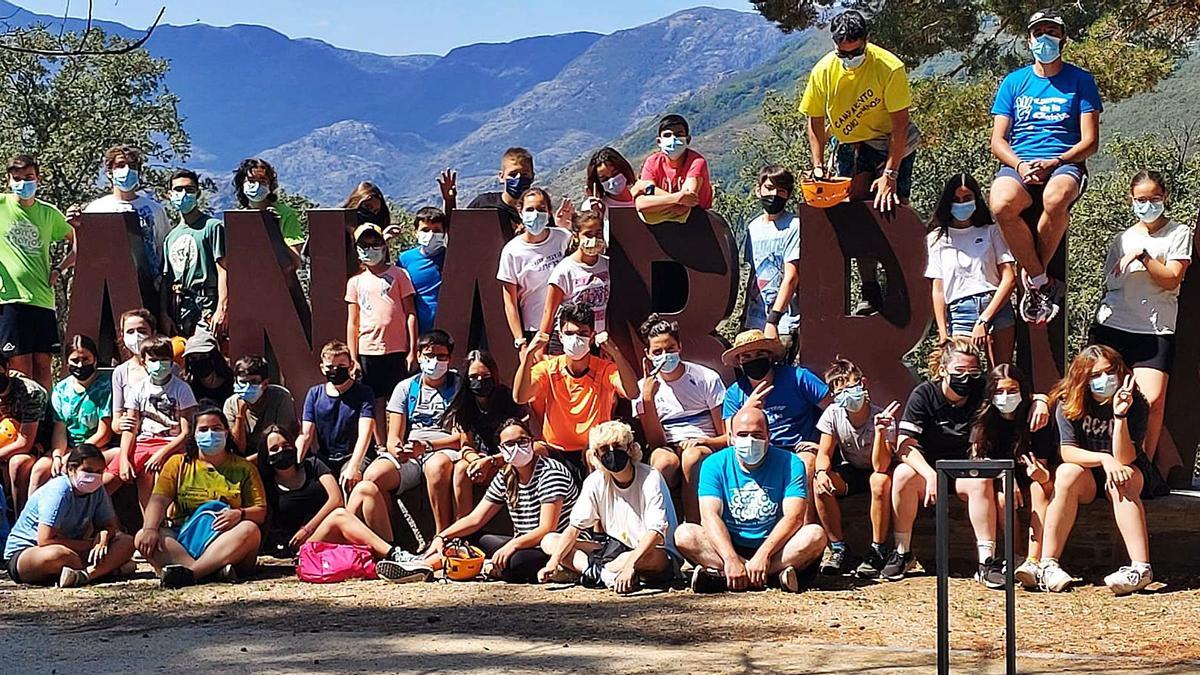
223 491
369 206
475 413
68 533
680 409
1002 430
205 369
971 270
82 406
527 262
937 425
135 326
1142 275
582 276
538 492
610 177
256 186
629 505
160 410
381 324
1102 423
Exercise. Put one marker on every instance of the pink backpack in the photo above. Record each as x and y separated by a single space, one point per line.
324 563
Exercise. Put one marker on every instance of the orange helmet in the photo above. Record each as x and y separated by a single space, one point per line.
8 431
463 562
178 344
825 193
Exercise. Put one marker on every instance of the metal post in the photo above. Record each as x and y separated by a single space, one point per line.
943 574
1010 589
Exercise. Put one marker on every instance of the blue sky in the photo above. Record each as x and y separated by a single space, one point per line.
391 26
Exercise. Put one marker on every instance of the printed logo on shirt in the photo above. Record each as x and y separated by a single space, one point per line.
849 120
25 236
1094 427
183 254
1048 109
750 503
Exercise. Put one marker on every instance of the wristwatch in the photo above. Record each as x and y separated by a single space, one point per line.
1141 257
986 322
518 343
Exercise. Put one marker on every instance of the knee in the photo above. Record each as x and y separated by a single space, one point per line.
665 460
460 474
691 459
881 485
1057 203
1004 206
367 491
904 478
812 536
688 537
438 470
248 531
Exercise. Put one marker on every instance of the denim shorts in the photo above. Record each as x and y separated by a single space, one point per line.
856 158
1076 171
964 312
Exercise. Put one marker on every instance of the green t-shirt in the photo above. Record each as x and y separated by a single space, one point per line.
192 253
289 224
81 411
25 238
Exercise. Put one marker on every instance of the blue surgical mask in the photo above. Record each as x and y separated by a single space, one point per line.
749 449
666 362
962 211
1103 385
210 442
674 146
517 185
851 398
255 191
23 189
535 222
159 371
1046 48
1148 212
250 393
615 185
126 178
371 255
185 202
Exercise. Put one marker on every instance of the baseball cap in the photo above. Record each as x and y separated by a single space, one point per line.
1046 16
201 342
365 228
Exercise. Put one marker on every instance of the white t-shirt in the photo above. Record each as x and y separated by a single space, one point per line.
161 406
855 443
627 514
1133 302
769 246
529 267
685 405
967 260
588 284
152 218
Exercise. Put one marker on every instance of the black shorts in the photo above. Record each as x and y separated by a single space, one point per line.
610 548
857 480
12 567
1137 350
382 373
28 329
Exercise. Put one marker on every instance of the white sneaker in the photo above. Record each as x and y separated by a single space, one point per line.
70 578
1027 574
1053 578
1128 580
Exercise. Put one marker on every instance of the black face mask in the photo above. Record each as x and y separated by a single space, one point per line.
81 372
517 185
337 375
773 204
482 386
284 459
615 460
201 367
366 215
966 385
757 369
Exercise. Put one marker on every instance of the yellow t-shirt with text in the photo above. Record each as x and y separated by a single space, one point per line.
857 104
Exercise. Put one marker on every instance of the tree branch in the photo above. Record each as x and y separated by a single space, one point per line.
80 51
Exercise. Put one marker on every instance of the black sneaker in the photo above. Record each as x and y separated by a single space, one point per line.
897 565
1039 305
991 573
177 576
836 563
705 580
871 565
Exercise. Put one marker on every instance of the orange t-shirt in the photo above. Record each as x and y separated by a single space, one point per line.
570 406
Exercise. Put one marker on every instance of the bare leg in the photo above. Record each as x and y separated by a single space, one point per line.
656 561
120 551
907 488
827 507
381 422
881 507
43 564
690 465
40 474
464 489
19 468
339 527
1008 200
1131 518
1061 191
692 541
802 550
1040 498
369 502
1153 385
810 467
981 505
1073 485
667 463
229 548
145 488
439 477
43 372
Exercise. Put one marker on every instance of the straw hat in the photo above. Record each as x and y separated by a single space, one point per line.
752 341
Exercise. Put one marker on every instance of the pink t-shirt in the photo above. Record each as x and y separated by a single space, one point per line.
665 176
382 324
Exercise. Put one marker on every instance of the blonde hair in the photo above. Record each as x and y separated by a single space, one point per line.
334 349
941 357
611 433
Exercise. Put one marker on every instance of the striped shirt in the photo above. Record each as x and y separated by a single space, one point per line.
551 482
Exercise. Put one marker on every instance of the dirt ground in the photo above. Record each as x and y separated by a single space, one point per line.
277 624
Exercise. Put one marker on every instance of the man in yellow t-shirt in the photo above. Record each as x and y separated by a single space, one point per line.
859 94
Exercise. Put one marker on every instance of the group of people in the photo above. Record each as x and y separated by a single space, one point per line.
227 466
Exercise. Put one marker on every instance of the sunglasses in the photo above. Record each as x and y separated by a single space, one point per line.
852 53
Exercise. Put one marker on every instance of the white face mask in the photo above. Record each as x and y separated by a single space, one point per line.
1006 402
256 192
133 340
592 245
432 368
431 242
615 185
535 222
518 453
576 346
749 449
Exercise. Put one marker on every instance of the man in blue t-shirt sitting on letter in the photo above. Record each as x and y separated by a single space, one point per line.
753 502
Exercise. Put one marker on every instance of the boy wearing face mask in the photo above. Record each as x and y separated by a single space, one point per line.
675 179
573 391
257 404
1047 124
159 410
28 226
381 321
123 166
338 424
195 285
772 245
527 262
854 456
423 263
516 176
69 533
752 531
